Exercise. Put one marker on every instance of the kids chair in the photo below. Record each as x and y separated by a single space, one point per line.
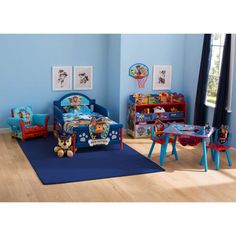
157 136
25 125
221 143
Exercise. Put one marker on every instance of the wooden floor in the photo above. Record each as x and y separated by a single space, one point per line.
183 180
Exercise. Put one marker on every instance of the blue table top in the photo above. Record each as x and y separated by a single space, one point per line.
190 130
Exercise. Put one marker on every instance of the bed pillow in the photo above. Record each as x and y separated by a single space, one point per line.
78 110
84 110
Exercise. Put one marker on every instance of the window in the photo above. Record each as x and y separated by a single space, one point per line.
217 46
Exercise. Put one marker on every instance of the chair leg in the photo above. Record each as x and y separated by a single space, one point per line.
151 149
228 157
173 149
217 159
163 150
161 154
212 150
212 154
204 150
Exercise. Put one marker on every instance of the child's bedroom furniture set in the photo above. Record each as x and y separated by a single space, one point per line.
74 114
192 135
89 124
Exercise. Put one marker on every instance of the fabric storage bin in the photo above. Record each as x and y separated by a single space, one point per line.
142 101
177 114
162 116
143 131
144 117
154 100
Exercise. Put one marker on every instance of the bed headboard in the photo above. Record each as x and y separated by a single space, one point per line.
78 98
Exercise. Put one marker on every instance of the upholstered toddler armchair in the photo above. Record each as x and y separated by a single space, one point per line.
25 125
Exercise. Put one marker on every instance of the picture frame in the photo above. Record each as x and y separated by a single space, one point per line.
83 78
61 78
162 76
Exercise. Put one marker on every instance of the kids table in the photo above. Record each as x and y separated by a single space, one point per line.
189 130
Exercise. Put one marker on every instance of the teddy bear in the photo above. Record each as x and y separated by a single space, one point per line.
64 146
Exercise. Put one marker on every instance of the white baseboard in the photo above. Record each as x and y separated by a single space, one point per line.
4 130
233 149
7 130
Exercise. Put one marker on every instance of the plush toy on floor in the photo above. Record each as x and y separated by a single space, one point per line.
64 146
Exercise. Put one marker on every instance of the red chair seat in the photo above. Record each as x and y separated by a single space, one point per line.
218 147
162 140
34 129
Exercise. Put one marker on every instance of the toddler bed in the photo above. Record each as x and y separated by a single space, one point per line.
77 114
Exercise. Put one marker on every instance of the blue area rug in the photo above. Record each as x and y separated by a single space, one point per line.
87 164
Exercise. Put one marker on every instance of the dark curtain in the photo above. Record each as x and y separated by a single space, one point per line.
220 114
200 111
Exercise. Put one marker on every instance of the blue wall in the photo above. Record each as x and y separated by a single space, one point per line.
25 68
151 50
192 58
113 77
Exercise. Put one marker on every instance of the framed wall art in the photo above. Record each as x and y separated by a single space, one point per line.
61 78
162 75
83 77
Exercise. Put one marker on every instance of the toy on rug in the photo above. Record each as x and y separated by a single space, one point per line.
64 146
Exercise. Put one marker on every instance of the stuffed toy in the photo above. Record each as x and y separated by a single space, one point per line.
173 109
64 146
158 109
223 134
158 128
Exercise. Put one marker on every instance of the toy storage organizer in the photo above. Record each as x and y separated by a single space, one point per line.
142 112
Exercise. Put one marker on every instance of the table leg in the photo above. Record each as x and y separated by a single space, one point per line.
174 151
204 157
163 151
212 150
228 157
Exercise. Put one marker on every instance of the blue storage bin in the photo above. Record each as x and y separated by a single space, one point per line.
162 116
177 114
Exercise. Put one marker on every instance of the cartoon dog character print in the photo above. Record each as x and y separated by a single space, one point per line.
75 102
83 78
62 76
162 77
98 129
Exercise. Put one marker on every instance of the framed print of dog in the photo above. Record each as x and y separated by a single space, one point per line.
83 77
162 77
61 78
